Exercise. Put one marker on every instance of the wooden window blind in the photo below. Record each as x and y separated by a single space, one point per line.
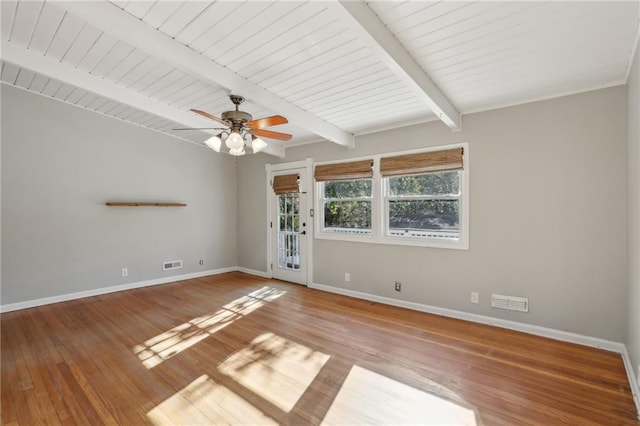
424 162
341 171
285 184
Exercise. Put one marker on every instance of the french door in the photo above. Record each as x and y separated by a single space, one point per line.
289 229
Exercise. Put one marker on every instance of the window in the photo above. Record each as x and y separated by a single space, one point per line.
346 206
287 189
346 194
424 206
288 231
415 198
422 194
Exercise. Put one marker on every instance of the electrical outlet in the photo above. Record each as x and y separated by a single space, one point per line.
125 272
475 298
347 276
398 286
201 261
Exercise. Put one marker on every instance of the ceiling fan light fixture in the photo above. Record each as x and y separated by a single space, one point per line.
257 144
214 142
235 141
239 135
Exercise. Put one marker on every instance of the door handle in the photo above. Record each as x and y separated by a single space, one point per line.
303 232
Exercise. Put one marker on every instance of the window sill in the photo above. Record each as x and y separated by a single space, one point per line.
340 236
457 244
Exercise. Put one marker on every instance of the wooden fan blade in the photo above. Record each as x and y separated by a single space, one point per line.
272 135
212 117
259 123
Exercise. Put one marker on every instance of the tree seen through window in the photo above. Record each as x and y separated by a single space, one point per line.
348 204
424 202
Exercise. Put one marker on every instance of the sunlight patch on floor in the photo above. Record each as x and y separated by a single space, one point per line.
277 369
371 398
205 402
170 343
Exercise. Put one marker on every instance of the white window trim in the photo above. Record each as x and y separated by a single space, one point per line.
379 208
375 208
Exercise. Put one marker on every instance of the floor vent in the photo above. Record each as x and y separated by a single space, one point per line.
174 264
511 303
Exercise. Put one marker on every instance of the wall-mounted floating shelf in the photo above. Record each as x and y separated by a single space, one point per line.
142 204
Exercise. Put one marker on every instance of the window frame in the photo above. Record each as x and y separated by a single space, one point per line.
337 235
404 239
380 206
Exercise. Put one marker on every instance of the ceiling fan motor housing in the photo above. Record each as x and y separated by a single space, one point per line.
236 117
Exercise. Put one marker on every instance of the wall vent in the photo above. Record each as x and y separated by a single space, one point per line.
511 303
173 264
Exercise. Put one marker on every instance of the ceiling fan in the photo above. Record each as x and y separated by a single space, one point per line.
241 133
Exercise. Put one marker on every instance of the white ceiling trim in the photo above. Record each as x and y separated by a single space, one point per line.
73 76
115 21
554 95
364 21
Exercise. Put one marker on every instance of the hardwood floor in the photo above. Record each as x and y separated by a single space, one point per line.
238 349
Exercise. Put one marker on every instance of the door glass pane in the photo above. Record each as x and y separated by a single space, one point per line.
289 231
287 201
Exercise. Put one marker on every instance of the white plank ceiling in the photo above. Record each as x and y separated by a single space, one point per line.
149 62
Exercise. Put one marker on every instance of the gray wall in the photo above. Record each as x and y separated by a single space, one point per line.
548 210
252 207
633 134
547 217
61 163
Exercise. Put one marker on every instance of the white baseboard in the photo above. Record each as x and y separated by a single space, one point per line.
482 319
635 388
111 289
551 333
254 272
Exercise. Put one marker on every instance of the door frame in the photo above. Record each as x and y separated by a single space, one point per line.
305 187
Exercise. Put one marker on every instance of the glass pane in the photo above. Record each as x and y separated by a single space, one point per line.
289 259
347 214
287 201
296 205
295 252
348 188
288 224
442 183
424 215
